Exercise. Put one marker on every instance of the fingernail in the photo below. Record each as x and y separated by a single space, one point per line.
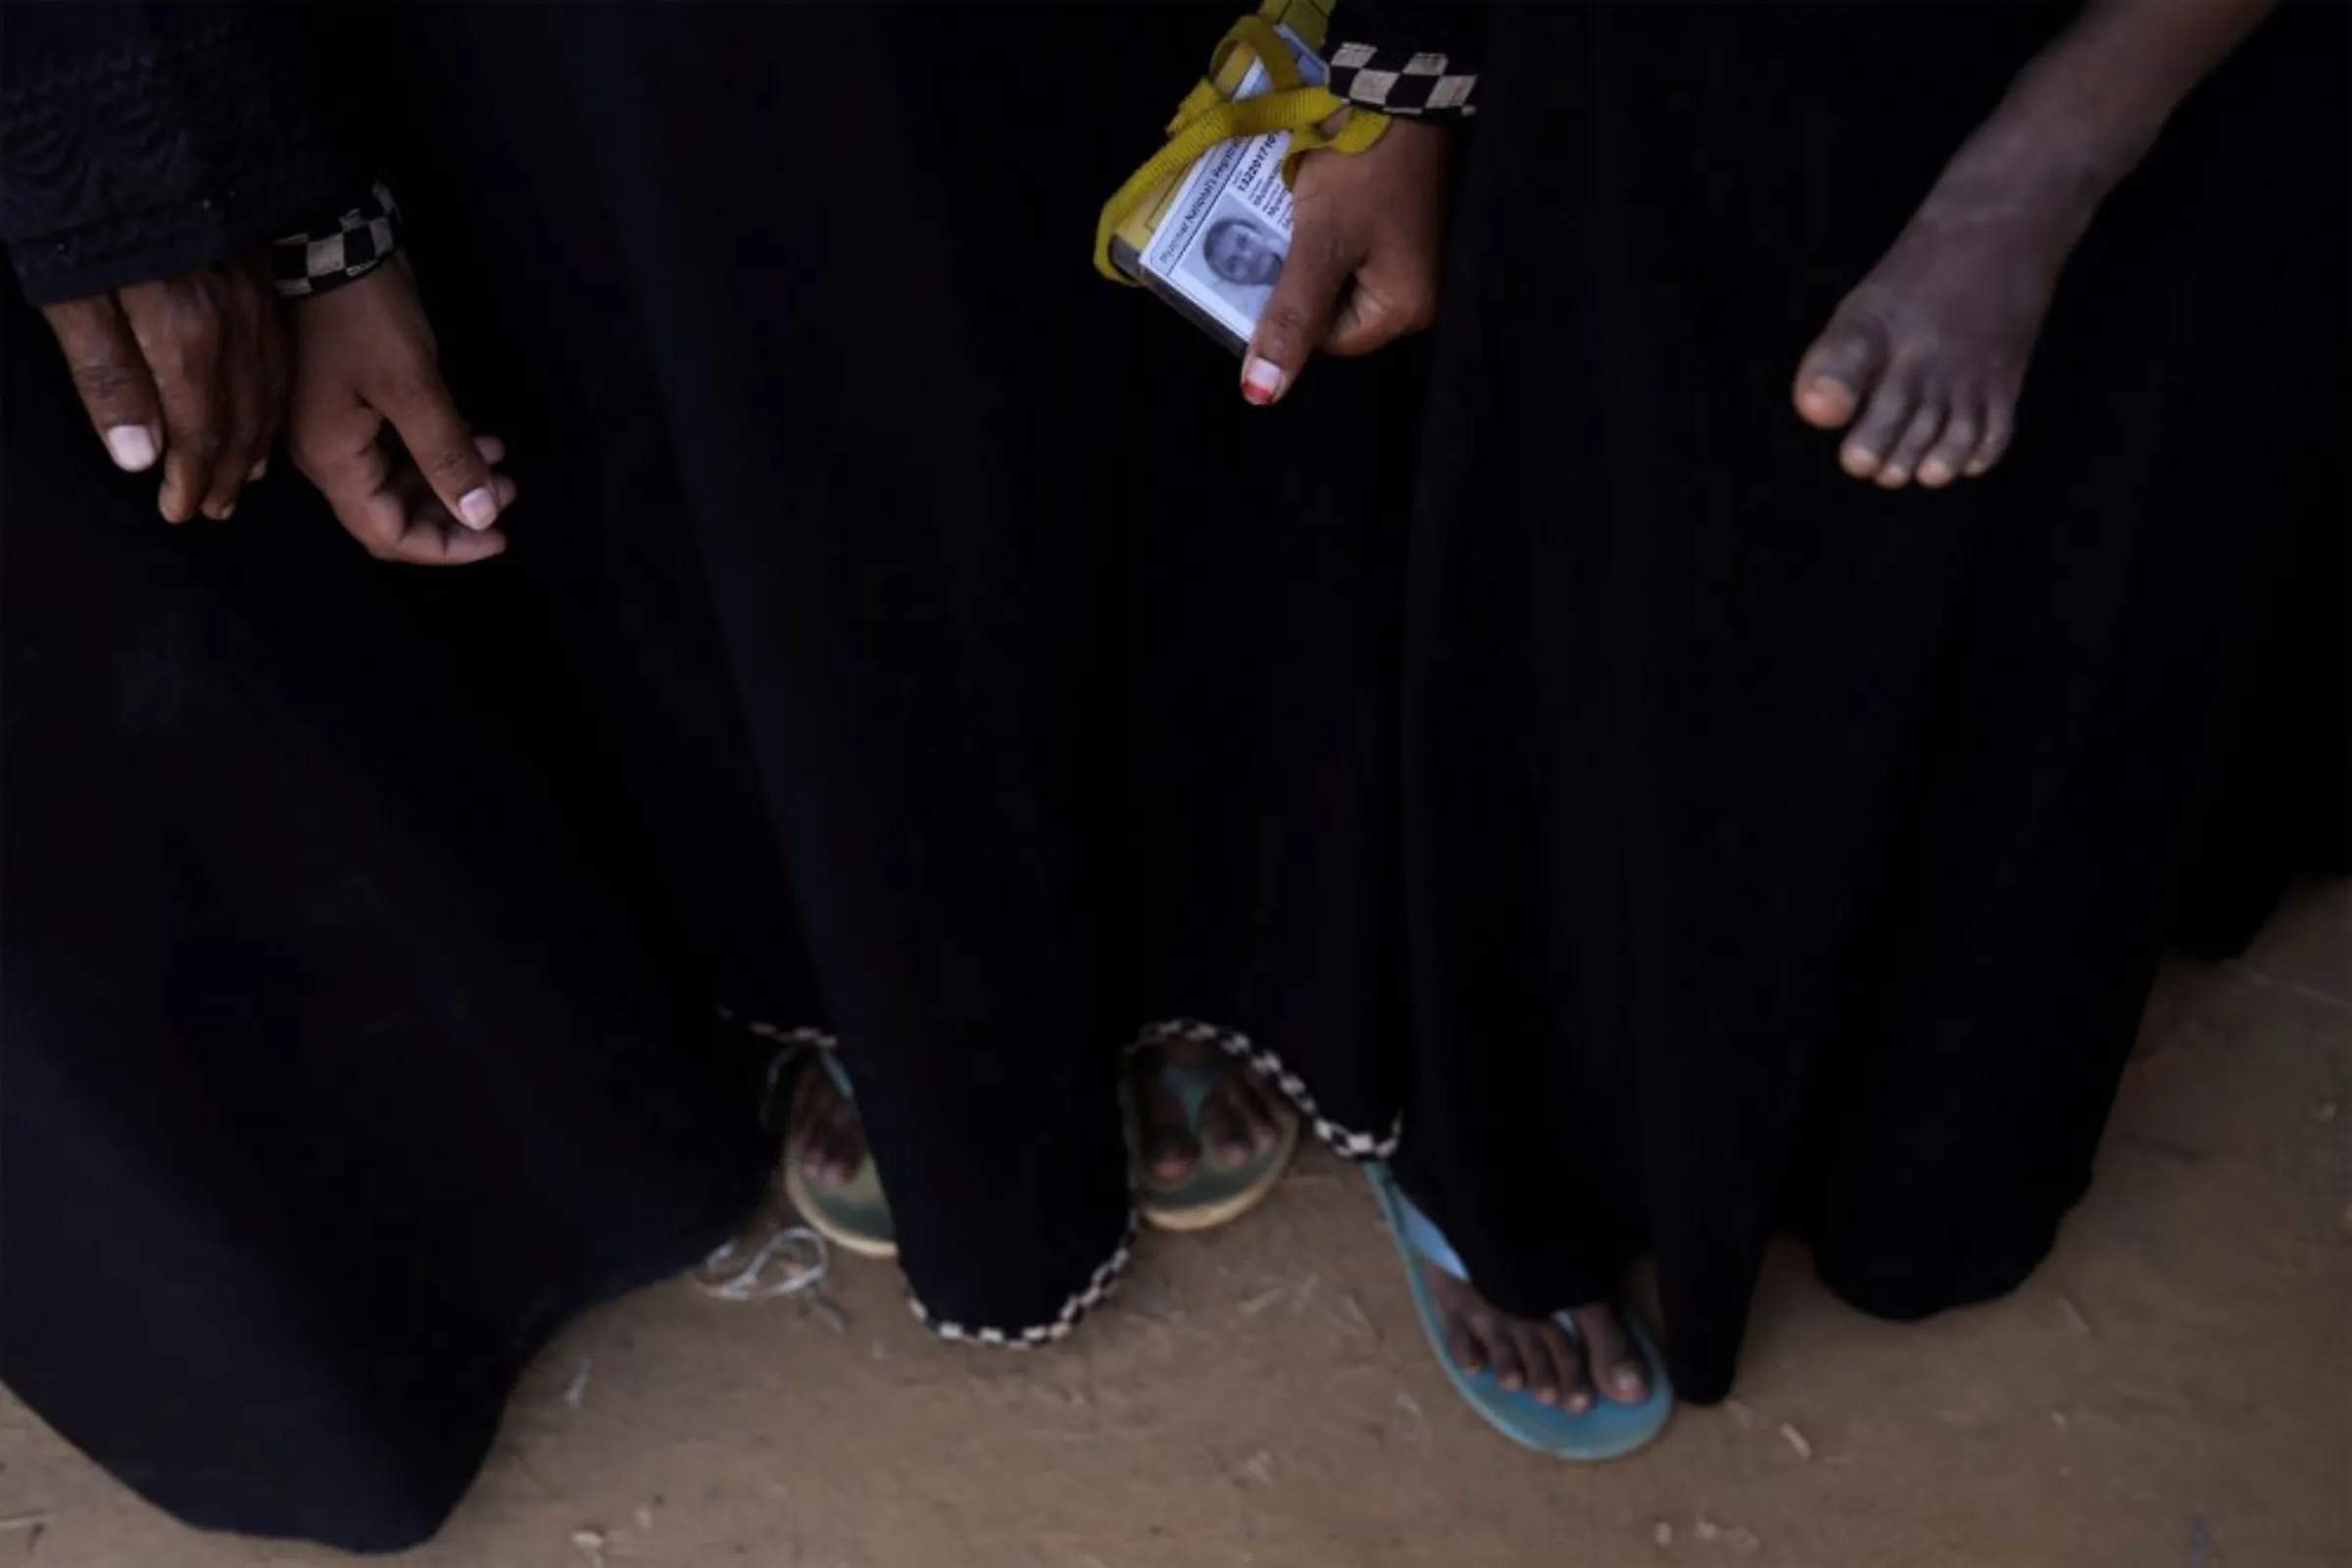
479 508
1262 382
133 447
1629 1381
253 475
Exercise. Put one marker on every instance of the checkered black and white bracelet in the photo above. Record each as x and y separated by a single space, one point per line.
316 261
1414 84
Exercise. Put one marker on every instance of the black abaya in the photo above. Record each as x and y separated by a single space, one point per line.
1782 850
340 1063
991 682
335 1077
961 617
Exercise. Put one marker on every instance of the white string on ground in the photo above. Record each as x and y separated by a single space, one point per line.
791 1259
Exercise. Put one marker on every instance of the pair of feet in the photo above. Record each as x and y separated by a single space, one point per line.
1240 1119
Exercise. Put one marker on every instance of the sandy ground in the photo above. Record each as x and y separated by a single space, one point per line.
2173 1389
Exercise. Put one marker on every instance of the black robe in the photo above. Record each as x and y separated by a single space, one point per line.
1786 852
931 645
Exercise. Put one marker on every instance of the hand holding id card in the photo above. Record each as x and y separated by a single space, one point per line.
1207 223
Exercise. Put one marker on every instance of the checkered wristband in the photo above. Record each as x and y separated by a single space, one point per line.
318 259
1415 85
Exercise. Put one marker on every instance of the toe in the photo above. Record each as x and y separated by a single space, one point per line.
1911 448
1169 1151
1842 368
1225 1133
1555 1359
1503 1346
809 1093
1257 1109
1880 427
1616 1366
810 1106
1462 1342
2000 423
1962 429
840 1145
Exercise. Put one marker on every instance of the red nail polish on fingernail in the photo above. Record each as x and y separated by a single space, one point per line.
1262 382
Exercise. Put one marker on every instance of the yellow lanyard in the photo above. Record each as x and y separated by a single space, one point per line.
1314 117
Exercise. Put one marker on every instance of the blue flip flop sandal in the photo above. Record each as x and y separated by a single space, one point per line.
1208 1196
1606 1430
856 1216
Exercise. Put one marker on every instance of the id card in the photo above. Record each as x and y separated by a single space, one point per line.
1213 246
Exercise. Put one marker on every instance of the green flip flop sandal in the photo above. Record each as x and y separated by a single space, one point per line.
854 1216
1208 1196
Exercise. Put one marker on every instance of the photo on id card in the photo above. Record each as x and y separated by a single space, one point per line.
1223 234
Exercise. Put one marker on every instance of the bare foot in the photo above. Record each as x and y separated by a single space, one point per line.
1539 1359
1926 358
1240 1119
826 1124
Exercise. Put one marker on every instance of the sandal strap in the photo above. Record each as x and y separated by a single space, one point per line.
1422 1235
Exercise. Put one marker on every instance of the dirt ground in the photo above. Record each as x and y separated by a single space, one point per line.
2173 1389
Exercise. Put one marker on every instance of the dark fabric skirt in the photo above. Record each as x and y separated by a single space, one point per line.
338 1068
907 635
1000 683
1783 852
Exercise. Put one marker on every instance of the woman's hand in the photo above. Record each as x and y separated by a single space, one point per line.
373 427
1368 246
189 370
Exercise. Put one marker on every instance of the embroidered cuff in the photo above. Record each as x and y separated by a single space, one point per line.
318 259
1416 85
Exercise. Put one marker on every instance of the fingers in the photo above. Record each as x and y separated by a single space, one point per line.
254 373
431 537
1376 312
418 404
389 509
111 376
183 335
1300 313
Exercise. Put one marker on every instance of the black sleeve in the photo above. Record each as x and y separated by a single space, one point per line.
1417 58
138 140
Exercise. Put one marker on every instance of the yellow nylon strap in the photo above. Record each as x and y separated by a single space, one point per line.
1207 118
